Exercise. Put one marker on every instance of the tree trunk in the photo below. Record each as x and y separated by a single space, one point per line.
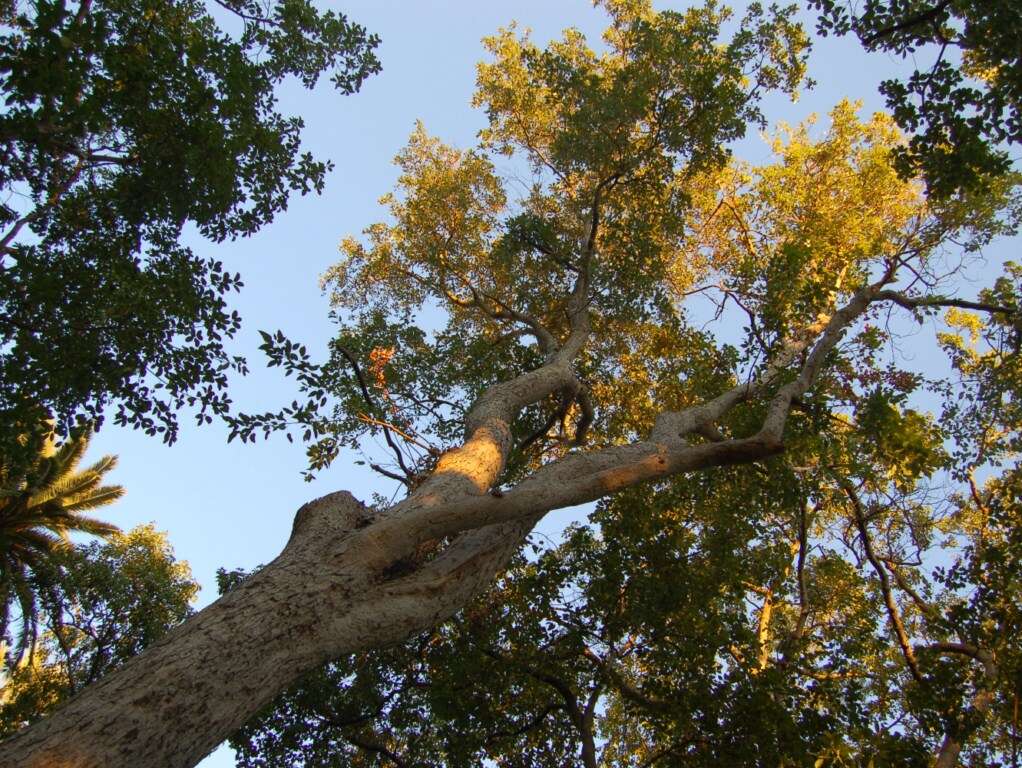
322 597
947 757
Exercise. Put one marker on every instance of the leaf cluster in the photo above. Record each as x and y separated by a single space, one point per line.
960 108
123 123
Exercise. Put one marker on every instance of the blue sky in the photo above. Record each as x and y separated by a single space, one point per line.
232 505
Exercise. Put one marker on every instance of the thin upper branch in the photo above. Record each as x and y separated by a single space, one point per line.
353 362
983 656
916 302
893 613
922 17
625 687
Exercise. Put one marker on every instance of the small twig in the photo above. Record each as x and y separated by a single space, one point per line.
369 401
366 418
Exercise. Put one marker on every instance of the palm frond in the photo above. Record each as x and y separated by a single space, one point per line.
38 511
73 489
103 466
83 524
100 497
72 451
69 485
33 543
29 605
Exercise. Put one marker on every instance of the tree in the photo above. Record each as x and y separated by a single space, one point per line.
567 370
124 122
963 105
784 613
39 509
103 603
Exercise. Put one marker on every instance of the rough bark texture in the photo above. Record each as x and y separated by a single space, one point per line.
317 600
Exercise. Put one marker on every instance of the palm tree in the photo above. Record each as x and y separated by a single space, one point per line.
39 509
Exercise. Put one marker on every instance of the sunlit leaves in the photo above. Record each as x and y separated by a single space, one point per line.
984 352
782 613
790 238
445 215
611 138
906 443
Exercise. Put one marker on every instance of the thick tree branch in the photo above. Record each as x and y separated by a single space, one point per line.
984 657
567 398
589 754
588 413
327 599
582 477
800 572
954 739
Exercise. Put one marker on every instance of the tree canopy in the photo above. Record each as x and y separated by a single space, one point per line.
124 122
966 99
804 550
781 613
762 615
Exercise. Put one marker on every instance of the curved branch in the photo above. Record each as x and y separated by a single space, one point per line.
531 724
951 747
625 687
922 17
555 416
585 404
893 614
376 748
905 587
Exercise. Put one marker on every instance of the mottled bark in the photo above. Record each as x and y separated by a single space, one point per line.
175 703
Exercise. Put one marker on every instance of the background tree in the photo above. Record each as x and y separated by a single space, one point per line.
966 100
124 122
39 509
566 370
101 604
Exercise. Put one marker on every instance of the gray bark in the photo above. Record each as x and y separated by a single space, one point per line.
175 703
